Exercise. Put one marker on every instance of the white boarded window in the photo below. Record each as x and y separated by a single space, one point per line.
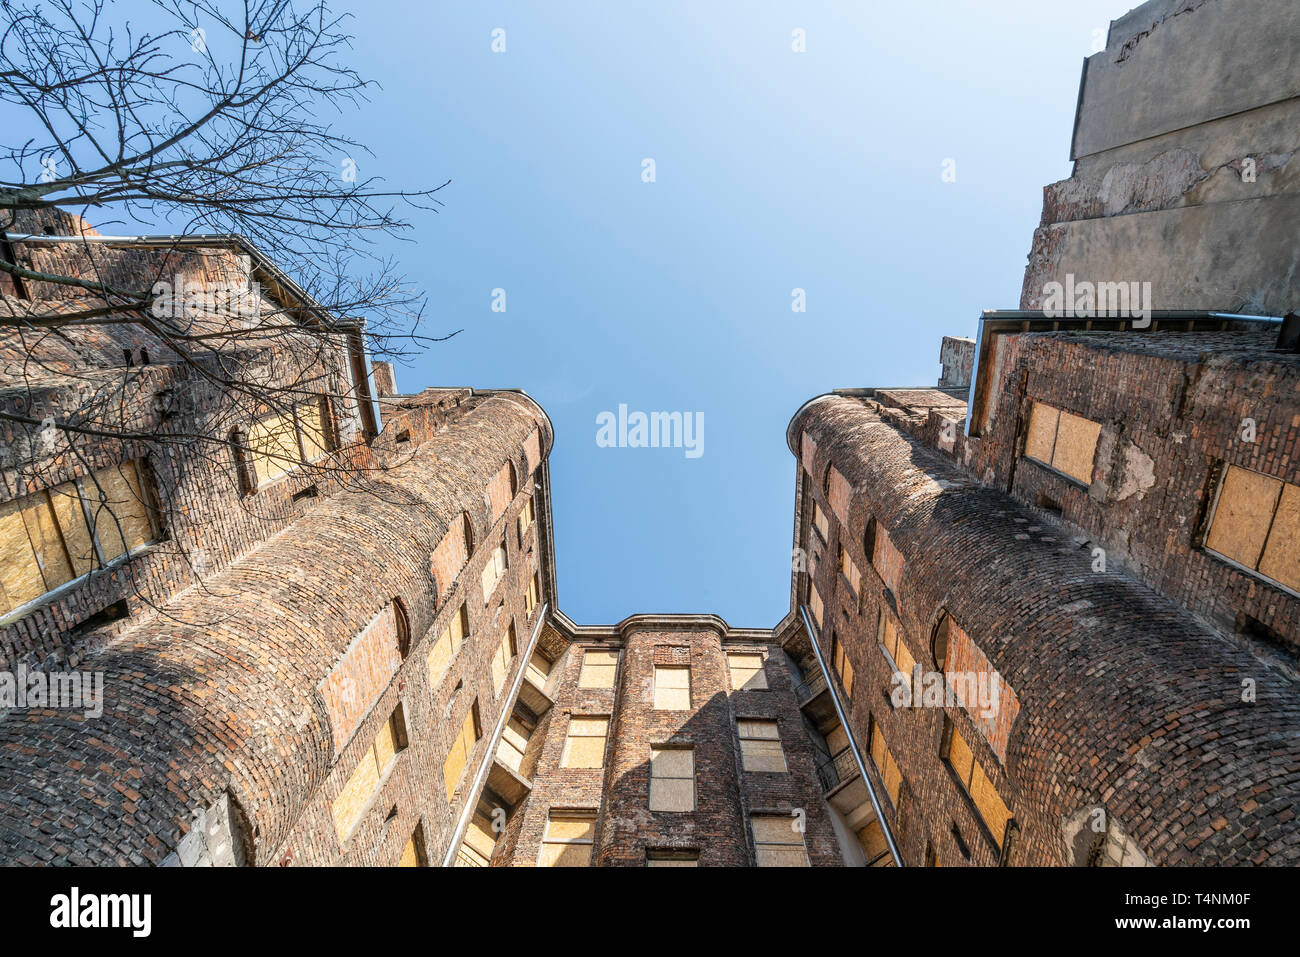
760 746
584 745
776 841
747 672
672 688
568 839
672 779
598 668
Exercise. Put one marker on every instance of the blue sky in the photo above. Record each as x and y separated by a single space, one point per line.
774 170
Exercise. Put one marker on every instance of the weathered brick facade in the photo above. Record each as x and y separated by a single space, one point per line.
993 654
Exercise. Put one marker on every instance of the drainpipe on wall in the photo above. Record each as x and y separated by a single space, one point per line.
848 732
472 795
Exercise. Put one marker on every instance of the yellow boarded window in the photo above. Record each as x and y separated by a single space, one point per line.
598 669
672 688
1256 523
538 669
413 853
530 597
777 841
893 643
815 604
448 643
45 540
501 659
843 667
525 518
281 441
493 571
821 522
568 839
977 784
850 571
672 779
513 744
747 672
584 746
885 763
1066 442
361 784
312 430
119 515
479 843
461 748
760 746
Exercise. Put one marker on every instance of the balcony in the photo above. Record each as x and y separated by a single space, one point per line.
835 771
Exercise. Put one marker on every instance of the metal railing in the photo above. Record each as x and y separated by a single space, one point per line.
832 771
810 687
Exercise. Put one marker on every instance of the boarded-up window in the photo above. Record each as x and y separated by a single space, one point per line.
502 657
843 667
364 780
281 441
525 519
777 841
821 523
1256 523
479 843
598 667
747 672
493 571
413 854
448 643
584 745
52 537
538 670
875 848
892 641
568 839
514 743
815 605
1066 442
885 763
530 596
850 572
672 779
672 688
760 746
672 858
971 774
461 748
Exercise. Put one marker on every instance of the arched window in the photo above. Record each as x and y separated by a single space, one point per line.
939 641
403 627
469 533
514 479
869 541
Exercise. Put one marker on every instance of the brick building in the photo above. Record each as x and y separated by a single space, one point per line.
1046 611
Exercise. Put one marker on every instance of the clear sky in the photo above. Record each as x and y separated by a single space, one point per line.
819 170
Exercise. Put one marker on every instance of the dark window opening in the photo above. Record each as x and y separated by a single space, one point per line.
1048 504
404 436
309 492
105 616
961 845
